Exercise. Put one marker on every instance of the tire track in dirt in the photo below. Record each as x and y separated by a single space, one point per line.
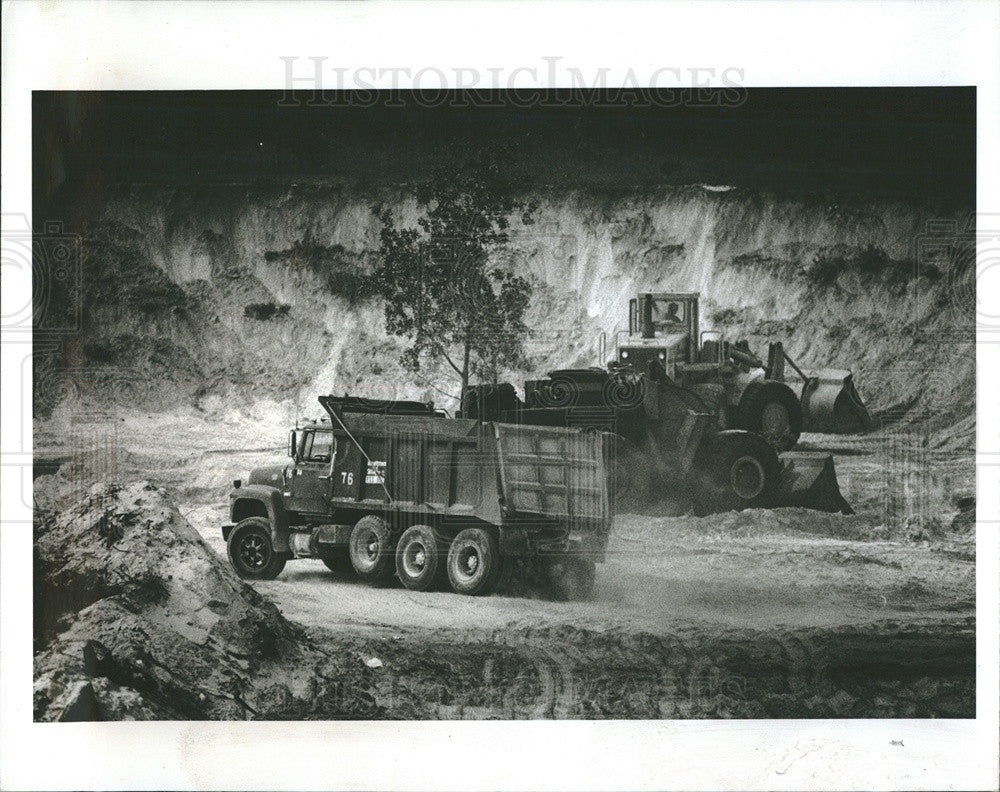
883 670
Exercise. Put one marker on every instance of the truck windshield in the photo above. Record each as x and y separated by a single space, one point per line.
317 446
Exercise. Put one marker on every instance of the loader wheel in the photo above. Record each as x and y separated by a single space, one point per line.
371 549
251 552
572 579
772 409
474 562
418 558
743 472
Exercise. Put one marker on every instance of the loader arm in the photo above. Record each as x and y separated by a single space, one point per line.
830 401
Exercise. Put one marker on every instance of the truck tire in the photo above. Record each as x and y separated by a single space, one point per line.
474 562
371 549
337 560
251 552
772 410
418 558
742 471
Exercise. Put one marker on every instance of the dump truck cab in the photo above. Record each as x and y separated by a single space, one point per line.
400 487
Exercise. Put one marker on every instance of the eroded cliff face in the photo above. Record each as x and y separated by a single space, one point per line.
250 292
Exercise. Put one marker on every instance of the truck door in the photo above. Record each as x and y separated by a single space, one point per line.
309 482
348 470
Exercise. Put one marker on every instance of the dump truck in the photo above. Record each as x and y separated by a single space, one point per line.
667 440
664 335
398 488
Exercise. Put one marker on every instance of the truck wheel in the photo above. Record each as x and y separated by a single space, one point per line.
371 549
251 552
418 558
572 579
337 561
474 562
743 472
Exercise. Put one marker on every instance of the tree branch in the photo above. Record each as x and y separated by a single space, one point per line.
427 383
451 362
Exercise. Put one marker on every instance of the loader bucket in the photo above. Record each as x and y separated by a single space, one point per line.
831 404
808 479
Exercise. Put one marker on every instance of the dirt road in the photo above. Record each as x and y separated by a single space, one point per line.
736 571
736 615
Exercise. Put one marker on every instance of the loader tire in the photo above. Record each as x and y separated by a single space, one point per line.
251 552
474 562
371 549
772 410
742 472
418 558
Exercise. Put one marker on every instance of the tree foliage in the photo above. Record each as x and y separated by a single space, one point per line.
443 290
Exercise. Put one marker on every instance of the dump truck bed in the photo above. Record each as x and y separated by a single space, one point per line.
552 472
461 466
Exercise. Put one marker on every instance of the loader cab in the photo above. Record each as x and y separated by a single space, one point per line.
662 331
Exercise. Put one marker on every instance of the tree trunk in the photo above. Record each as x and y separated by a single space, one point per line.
465 372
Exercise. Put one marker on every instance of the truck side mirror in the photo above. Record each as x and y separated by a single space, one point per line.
293 442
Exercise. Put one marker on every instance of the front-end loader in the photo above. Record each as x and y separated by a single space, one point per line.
665 340
670 440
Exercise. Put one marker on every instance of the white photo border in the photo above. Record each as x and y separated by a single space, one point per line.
200 45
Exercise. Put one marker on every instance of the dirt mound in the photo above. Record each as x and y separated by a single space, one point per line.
882 670
136 617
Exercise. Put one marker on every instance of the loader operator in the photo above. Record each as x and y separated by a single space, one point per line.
670 319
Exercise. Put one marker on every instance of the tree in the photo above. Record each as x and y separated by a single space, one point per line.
443 290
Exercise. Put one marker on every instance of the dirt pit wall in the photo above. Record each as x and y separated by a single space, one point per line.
234 294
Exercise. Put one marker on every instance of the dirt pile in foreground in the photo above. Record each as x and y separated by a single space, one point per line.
137 618
882 670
